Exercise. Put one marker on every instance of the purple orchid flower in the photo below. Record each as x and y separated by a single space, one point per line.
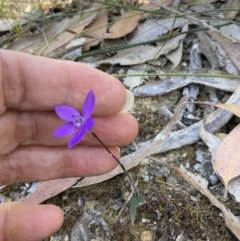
76 123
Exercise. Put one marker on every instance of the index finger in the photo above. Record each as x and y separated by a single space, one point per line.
31 83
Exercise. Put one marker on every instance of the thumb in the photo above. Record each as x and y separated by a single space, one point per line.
22 222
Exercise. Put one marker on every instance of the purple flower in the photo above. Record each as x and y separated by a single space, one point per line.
76 123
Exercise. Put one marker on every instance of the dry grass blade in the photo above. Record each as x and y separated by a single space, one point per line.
233 108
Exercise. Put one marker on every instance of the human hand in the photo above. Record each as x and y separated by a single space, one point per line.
30 88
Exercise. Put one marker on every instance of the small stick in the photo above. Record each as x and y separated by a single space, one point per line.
121 165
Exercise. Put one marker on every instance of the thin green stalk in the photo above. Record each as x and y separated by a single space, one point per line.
1 7
228 76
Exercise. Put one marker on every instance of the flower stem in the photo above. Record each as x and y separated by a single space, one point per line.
121 165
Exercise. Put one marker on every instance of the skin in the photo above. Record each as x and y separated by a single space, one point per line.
30 87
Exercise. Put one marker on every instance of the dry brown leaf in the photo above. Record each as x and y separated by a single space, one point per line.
227 158
50 46
127 23
48 189
232 49
233 108
96 30
231 4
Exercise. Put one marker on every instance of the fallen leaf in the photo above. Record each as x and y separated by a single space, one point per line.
215 53
233 108
227 158
209 48
232 49
175 56
213 142
96 30
127 23
231 4
152 29
48 189
141 54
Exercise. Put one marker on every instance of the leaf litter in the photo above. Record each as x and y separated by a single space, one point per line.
92 28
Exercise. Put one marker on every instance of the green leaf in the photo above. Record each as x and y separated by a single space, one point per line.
135 201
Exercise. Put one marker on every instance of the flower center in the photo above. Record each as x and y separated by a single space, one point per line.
78 120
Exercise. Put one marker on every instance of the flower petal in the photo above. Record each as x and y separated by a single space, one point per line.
64 130
87 126
89 105
66 112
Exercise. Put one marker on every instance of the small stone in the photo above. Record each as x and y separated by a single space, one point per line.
199 168
184 155
145 220
53 239
213 179
81 201
146 236
66 238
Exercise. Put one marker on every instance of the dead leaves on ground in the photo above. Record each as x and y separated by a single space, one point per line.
93 26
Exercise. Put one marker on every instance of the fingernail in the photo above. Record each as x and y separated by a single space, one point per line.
129 102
